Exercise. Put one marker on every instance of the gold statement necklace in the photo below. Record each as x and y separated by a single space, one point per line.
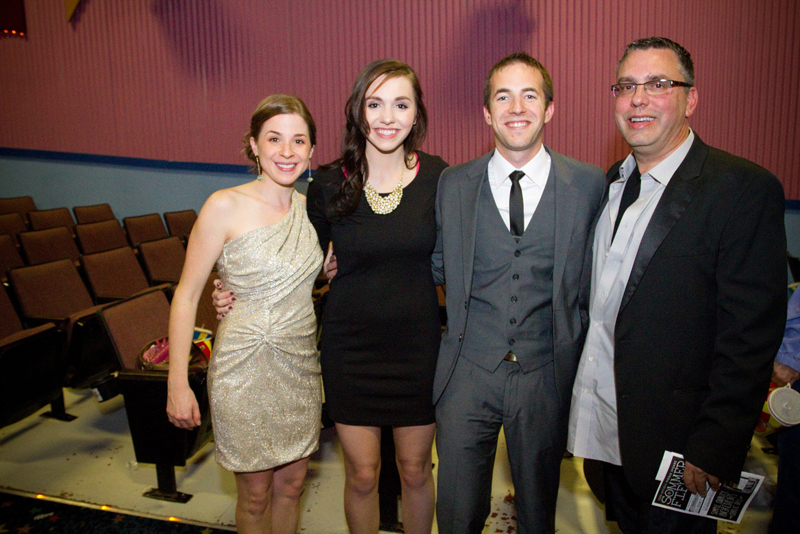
383 205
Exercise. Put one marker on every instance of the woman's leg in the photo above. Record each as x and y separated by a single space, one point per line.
413 445
287 488
362 465
254 502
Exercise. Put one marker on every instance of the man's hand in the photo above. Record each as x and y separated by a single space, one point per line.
783 374
695 479
222 300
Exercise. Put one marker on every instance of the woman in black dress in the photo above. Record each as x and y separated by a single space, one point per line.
381 332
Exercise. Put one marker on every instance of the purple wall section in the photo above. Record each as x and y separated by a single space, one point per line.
177 79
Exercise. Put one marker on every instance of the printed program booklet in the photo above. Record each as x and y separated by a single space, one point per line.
727 504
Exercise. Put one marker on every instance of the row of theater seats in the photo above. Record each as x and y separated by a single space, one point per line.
82 321
64 239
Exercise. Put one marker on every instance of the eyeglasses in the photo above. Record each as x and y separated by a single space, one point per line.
652 88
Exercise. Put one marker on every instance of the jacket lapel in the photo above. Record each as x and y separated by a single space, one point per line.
673 203
567 198
469 192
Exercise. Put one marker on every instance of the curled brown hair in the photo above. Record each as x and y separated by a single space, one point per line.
271 106
354 141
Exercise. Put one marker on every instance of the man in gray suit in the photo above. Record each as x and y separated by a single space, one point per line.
514 249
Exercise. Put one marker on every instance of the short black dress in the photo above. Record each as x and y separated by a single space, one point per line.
381 329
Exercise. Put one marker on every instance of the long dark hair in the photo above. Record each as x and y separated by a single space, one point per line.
354 141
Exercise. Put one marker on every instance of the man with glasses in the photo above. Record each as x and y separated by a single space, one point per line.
688 300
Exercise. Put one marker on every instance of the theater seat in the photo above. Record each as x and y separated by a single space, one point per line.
163 259
33 367
100 236
21 205
132 324
9 256
41 246
12 224
144 228
54 292
180 223
113 274
53 218
91 214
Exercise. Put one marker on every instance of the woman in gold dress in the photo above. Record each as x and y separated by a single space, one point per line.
263 379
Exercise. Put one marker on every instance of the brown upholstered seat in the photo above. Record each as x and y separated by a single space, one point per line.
12 224
144 228
91 214
131 324
21 205
43 219
9 255
163 259
54 292
134 322
32 367
180 223
113 274
41 246
100 236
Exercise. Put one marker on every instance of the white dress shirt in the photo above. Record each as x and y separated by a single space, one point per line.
532 184
593 430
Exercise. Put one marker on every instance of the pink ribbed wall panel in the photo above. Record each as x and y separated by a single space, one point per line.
178 79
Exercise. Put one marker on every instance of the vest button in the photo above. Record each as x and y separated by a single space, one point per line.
515 276
511 341
514 298
517 253
513 321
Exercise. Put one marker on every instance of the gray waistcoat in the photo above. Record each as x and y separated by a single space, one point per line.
511 303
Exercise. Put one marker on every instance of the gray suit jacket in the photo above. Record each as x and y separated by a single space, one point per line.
579 190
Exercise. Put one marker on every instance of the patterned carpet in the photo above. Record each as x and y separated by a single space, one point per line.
23 515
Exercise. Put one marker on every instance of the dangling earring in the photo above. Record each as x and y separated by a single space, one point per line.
258 166
310 179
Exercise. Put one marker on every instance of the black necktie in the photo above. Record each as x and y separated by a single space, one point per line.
516 207
629 195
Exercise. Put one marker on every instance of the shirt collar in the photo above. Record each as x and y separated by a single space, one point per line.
533 170
663 172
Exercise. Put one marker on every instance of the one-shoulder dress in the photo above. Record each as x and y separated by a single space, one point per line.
381 328
264 376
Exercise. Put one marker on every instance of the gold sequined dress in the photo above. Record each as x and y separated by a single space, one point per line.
264 375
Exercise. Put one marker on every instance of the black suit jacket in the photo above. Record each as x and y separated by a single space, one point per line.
702 318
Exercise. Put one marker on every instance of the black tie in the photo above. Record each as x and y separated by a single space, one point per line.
629 195
516 207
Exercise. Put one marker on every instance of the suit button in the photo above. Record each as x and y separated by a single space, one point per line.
513 321
517 253
515 277
511 342
514 298
460 337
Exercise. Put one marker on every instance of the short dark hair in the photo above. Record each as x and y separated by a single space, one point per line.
686 65
519 57
271 106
